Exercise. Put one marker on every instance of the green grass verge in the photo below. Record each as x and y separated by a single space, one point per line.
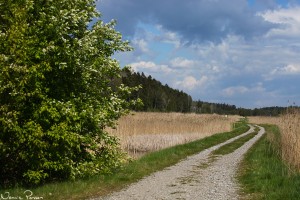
263 175
231 147
131 172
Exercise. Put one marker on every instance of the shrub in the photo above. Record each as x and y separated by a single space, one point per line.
57 91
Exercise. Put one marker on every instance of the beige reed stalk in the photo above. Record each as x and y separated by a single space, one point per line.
144 131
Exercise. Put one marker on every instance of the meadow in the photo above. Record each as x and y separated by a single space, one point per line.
141 132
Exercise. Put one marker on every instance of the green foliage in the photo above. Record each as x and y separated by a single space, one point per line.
56 95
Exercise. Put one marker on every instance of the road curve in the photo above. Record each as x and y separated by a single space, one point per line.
197 177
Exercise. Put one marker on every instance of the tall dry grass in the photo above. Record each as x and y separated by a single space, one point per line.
264 120
289 125
290 138
143 132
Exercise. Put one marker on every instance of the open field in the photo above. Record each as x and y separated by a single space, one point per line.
142 132
289 126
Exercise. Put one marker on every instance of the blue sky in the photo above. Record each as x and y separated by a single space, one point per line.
245 53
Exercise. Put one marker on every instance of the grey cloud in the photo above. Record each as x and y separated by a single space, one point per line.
127 13
195 20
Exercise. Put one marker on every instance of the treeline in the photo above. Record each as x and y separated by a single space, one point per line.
154 95
226 109
266 111
162 98
207 107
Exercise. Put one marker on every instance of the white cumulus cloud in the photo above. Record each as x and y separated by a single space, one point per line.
241 90
231 91
150 67
141 44
290 69
181 62
190 82
287 18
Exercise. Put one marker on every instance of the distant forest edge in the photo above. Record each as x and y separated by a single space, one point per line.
162 98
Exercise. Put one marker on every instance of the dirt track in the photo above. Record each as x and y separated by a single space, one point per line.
197 177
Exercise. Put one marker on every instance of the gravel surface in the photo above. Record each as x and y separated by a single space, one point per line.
197 177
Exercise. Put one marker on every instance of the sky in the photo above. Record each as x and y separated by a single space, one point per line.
239 52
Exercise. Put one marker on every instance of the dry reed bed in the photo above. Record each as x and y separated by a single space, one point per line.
264 120
144 132
290 140
289 125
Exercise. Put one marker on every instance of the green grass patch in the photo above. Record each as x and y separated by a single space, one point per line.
131 172
231 147
264 175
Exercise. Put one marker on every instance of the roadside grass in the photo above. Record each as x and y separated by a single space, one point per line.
263 174
231 147
131 172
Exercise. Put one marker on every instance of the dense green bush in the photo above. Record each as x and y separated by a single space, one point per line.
56 91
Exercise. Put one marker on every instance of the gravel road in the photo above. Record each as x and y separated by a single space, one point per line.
197 177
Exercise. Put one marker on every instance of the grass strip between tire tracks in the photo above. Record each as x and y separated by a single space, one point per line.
131 172
263 175
232 146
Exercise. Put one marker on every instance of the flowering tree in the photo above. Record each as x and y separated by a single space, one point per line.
56 91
